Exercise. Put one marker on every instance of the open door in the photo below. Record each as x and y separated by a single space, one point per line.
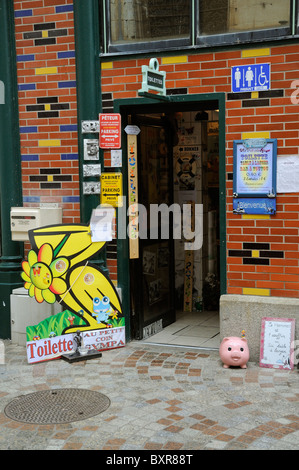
152 273
173 134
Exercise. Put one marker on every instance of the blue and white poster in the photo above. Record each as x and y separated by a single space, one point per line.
255 77
254 182
255 168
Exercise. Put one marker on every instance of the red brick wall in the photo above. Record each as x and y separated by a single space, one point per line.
46 74
48 129
262 252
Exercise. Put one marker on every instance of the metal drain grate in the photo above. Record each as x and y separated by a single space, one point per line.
57 406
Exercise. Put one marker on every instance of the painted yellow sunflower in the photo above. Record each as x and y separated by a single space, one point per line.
42 274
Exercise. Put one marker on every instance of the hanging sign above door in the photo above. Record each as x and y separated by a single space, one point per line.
152 79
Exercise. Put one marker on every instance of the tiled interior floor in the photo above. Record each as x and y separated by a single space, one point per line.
196 329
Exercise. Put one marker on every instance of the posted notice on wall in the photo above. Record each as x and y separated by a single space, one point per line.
288 174
101 224
254 168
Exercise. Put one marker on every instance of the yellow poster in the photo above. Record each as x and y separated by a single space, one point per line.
112 189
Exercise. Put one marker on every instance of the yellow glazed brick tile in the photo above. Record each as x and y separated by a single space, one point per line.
254 94
256 52
252 291
255 253
256 135
106 65
47 107
49 143
255 216
45 34
174 60
45 70
50 177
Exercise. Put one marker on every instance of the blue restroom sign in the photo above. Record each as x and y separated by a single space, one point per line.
255 77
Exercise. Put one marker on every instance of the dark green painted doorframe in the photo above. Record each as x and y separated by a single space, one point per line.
89 104
10 166
124 107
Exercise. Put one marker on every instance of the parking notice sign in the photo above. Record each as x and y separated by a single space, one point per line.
109 131
255 77
111 189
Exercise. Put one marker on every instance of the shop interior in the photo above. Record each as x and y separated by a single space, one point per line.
175 298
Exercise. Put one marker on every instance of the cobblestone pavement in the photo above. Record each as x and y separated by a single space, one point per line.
162 398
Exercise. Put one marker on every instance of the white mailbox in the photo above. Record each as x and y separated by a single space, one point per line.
23 219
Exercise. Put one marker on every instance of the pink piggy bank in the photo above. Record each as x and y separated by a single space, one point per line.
234 351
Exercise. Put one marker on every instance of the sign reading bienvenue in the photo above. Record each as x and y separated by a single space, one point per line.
249 205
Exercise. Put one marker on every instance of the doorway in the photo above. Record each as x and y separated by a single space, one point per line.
152 274
180 145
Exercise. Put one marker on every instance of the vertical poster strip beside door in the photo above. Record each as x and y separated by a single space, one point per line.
133 196
189 263
188 281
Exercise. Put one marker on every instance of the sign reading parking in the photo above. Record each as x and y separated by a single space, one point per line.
254 77
111 189
110 130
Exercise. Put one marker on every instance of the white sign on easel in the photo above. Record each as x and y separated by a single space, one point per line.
277 343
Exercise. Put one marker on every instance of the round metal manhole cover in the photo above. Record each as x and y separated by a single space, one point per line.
57 406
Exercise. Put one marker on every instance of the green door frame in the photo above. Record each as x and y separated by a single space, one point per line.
124 107
89 104
88 81
10 166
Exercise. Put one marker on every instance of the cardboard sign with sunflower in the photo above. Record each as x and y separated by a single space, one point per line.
58 270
